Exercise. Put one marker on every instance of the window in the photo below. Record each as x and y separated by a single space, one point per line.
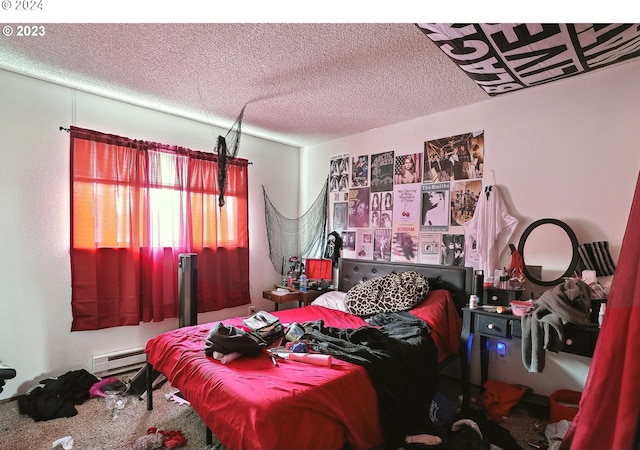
135 207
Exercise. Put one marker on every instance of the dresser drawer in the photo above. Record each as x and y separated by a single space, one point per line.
492 325
580 340
500 297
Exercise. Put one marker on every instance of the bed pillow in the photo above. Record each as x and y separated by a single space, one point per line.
332 300
388 293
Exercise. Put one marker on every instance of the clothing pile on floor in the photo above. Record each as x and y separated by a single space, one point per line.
56 397
474 429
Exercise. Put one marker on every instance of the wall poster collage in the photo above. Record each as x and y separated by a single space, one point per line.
408 206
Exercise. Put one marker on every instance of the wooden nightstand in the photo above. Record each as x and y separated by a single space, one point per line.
303 298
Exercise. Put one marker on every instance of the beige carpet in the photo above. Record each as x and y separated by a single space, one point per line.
94 428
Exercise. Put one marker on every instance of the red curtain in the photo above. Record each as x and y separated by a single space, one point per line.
135 206
609 410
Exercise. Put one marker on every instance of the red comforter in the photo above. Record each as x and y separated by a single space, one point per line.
250 404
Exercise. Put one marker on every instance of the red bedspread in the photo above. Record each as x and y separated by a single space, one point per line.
250 404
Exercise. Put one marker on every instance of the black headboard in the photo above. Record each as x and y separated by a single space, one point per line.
458 280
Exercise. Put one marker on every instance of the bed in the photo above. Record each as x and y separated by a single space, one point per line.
250 403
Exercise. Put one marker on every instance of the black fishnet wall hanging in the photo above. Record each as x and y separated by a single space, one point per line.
303 236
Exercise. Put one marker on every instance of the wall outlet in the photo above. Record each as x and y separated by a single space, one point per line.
252 309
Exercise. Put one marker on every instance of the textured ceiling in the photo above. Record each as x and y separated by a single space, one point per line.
303 83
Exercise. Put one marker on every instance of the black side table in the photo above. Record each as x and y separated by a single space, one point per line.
579 340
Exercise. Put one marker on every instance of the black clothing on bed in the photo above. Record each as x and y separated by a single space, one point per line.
401 360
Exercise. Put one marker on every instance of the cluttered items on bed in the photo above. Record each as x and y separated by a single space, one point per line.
226 343
228 339
265 325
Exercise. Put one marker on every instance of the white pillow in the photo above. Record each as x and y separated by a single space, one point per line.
332 300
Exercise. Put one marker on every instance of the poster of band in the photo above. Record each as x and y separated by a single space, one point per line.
340 214
464 197
339 174
381 209
435 207
406 203
452 253
382 172
359 208
364 244
405 243
360 171
429 249
382 244
409 206
458 157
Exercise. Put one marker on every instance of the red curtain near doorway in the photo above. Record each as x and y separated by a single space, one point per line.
610 404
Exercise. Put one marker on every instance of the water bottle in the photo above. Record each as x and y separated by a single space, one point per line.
303 283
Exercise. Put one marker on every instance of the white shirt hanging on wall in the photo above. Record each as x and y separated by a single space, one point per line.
490 228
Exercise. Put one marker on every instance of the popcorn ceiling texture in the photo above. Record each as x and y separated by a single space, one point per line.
304 83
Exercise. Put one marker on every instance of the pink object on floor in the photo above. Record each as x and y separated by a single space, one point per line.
96 389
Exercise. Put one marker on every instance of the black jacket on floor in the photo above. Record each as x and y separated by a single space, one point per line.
57 397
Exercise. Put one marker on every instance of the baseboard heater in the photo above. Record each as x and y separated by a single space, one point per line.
117 362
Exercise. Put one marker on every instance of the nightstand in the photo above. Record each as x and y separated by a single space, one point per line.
579 340
303 298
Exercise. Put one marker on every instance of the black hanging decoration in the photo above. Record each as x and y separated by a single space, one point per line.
227 149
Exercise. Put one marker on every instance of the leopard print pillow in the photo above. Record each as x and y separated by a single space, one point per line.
388 293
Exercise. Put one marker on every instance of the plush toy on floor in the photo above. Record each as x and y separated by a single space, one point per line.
153 439
157 438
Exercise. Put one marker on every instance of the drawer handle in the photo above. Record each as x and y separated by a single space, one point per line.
494 298
491 326
569 342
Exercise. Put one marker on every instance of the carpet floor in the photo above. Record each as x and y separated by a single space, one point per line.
95 427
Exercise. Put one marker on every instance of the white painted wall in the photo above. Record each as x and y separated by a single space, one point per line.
567 150
35 286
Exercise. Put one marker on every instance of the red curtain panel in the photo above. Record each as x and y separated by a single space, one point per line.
135 207
610 404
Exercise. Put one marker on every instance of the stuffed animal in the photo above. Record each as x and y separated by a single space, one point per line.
152 440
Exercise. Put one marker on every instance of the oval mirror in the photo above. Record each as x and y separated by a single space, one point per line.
549 250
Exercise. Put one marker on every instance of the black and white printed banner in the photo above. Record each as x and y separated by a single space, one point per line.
506 57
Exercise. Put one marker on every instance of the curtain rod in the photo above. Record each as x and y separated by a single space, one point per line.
68 130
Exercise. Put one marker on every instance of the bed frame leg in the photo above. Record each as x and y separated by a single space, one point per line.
209 438
149 373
